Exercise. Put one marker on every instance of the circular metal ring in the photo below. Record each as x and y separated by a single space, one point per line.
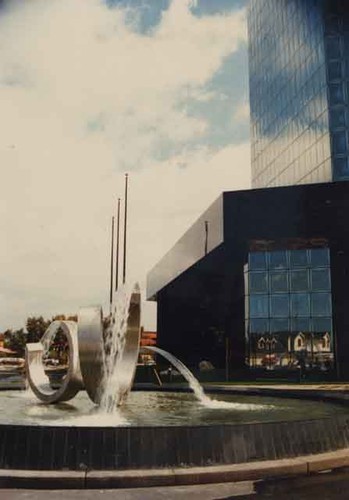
128 361
37 378
90 335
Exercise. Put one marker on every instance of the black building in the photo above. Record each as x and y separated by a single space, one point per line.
261 282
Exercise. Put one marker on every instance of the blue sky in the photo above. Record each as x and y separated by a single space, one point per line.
229 83
90 90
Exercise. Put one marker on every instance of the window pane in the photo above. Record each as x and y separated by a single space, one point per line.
333 47
277 260
278 282
338 117
320 279
341 168
335 70
279 325
298 258
336 93
258 282
300 304
259 326
301 325
321 304
259 306
322 325
320 257
257 260
299 281
279 306
339 142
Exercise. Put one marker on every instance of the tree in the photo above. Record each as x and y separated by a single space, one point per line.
7 336
36 327
16 341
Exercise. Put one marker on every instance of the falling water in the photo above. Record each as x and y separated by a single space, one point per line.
194 384
114 344
187 374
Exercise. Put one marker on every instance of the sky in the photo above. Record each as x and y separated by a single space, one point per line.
90 90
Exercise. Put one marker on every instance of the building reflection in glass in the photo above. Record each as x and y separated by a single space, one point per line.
289 309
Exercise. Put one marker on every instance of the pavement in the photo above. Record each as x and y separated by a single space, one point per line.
332 387
202 492
175 477
327 486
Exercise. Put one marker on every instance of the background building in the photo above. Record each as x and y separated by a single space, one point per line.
259 283
270 293
299 91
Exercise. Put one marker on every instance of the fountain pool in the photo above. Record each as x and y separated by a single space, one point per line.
108 427
161 408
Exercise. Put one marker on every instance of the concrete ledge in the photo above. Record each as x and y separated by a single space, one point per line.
328 461
300 466
197 475
42 479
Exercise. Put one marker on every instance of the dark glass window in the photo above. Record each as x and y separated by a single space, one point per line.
259 325
333 47
279 306
320 257
345 21
341 168
299 281
322 325
300 304
278 281
336 93
257 260
259 307
338 117
332 24
335 70
346 67
320 279
321 304
339 142
279 325
298 258
278 260
258 282
300 325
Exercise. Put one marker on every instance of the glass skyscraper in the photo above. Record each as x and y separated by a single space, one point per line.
299 91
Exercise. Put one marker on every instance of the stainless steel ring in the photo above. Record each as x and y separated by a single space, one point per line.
37 378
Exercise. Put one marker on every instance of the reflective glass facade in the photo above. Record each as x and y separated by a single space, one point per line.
299 92
336 29
288 309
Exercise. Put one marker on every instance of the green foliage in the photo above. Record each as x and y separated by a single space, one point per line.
15 341
36 327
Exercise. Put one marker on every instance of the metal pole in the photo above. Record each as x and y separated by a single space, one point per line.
125 229
111 264
226 358
206 236
117 247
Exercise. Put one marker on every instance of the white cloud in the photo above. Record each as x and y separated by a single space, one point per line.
242 112
84 98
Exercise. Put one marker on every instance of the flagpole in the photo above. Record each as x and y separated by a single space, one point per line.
117 247
111 264
125 229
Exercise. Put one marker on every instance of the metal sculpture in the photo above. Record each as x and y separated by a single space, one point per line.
86 355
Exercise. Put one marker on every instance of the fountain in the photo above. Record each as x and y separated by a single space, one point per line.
93 421
105 368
